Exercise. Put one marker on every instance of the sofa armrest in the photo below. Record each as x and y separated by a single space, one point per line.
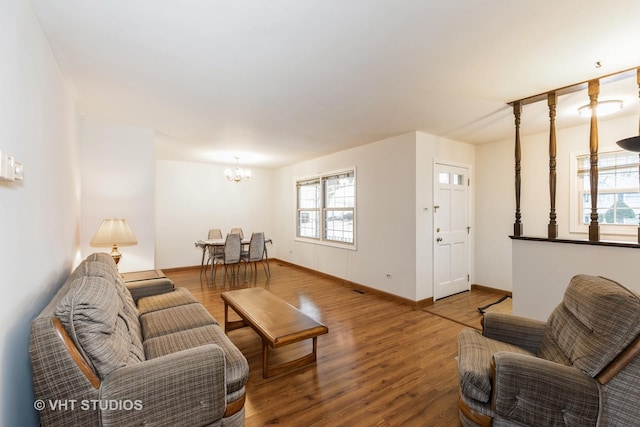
520 331
183 388
531 391
149 287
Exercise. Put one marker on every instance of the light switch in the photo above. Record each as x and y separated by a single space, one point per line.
10 169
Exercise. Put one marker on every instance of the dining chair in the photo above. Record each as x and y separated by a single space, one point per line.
230 256
214 233
254 254
237 230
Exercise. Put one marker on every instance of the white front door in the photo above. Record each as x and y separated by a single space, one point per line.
451 230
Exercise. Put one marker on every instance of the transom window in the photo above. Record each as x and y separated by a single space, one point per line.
326 208
618 189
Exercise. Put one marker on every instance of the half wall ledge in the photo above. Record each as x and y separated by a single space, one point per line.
580 242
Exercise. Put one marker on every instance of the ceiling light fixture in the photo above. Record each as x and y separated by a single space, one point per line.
603 108
237 174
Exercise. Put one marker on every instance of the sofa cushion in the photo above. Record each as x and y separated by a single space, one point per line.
103 257
99 267
237 368
148 287
474 355
102 265
175 319
131 316
180 296
91 312
596 320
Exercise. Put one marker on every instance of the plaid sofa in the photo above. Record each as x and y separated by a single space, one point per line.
579 368
100 358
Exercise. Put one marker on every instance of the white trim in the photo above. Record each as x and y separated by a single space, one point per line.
348 246
575 206
321 240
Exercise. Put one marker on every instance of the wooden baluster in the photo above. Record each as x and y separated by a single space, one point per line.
517 226
552 100
594 227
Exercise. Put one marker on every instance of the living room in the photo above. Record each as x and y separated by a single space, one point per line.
80 169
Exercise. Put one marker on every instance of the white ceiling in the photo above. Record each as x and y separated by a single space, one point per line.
280 81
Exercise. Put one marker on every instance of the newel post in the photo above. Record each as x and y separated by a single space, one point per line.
552 230
517 226
594 226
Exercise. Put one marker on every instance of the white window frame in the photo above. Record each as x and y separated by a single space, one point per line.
575 202
323 210
311 211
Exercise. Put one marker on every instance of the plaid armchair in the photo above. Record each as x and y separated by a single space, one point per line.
579 368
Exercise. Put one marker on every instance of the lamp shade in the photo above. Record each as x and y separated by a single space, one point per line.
114 232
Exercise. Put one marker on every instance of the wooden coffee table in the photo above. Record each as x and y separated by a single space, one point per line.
277 322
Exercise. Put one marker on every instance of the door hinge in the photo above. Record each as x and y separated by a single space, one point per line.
468 182
468 278
468 230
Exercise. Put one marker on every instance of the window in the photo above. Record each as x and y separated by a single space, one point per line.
618 195
308 212
326 208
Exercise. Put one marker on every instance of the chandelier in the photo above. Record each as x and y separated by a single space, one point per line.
237 174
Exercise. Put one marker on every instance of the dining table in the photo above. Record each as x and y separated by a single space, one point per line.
219 243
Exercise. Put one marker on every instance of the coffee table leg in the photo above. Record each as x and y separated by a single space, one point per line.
265 359
226 316
268 370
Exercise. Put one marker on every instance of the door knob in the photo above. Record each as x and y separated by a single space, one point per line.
439 239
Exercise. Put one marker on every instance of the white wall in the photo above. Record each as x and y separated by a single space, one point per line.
394 231
118 181
385 174
192 197
494 214
39 217
542 271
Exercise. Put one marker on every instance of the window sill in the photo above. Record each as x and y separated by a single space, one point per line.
348 246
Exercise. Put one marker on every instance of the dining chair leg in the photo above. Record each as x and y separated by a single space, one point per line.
204 249
268 268
264 265
266 256
224 271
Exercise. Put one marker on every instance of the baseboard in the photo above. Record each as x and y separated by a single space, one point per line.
424 302
357 287
180 269
496 290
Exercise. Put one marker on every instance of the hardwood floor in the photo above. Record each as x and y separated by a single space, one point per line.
382 363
